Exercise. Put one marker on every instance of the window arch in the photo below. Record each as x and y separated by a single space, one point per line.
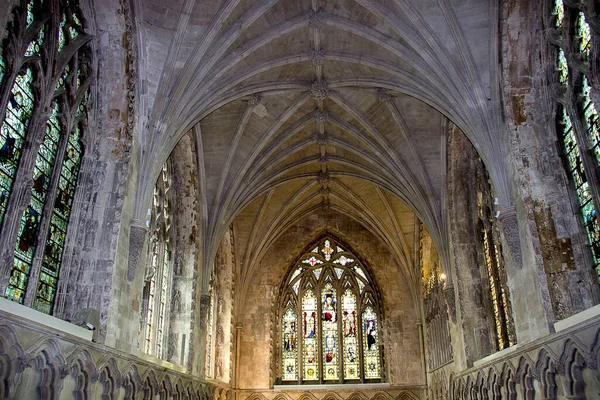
329 319
45 81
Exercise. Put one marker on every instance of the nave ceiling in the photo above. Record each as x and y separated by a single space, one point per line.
303 105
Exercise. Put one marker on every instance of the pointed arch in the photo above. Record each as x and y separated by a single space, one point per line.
12 362
328 293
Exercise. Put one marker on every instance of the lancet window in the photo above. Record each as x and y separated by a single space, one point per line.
45 85
495 275
157 285
576 117
329 319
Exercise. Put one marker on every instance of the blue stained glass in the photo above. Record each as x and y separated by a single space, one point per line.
577 172
590 115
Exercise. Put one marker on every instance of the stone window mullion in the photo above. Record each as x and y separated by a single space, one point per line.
46 218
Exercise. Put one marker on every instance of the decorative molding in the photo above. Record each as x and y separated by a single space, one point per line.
317 19
254 100
137 238
319 90
510 229
204 308
317 57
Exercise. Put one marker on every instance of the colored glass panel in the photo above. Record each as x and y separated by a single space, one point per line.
296 287
494 291
343 260
327 250
312 261
577 172
310 365
584 36
590 114
30 221
371 344
350 348
317 272
563 67
339 272
12 136
559 13
289 345
330 333
296 273
61 214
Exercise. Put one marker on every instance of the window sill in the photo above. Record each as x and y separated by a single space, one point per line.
333 386
577 318
30 314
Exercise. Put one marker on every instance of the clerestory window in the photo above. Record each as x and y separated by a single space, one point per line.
329 319
45 83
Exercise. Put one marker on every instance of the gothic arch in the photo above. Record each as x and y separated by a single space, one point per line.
328 291
85 373
51 366
13 360
525 376
573 361
546 371
110 378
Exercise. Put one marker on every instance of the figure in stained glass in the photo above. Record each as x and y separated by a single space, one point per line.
335 352
7 151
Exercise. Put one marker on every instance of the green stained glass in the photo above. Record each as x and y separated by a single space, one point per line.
577 173
559 13
13 131
563 68
61 33
310 366
371 344
35 45
350 349
583 34
590 114
61 213
2 67
30 15
330 333
289 346
31 219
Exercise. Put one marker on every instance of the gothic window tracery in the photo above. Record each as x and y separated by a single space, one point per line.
33 79
329 319
157 287
577 123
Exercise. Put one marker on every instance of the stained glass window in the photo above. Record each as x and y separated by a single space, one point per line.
590 115
30 221
12 135
159 271
577 172
289 352
57 157
335 296
578 42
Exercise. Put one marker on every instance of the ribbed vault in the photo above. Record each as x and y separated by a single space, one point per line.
303 105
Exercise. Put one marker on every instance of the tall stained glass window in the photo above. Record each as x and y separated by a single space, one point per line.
329 319
577 123
157 288
40 226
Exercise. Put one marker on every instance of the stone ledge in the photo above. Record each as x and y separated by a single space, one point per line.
20 311
333 386
577 318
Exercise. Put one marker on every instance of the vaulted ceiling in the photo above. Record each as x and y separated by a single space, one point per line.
300 105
